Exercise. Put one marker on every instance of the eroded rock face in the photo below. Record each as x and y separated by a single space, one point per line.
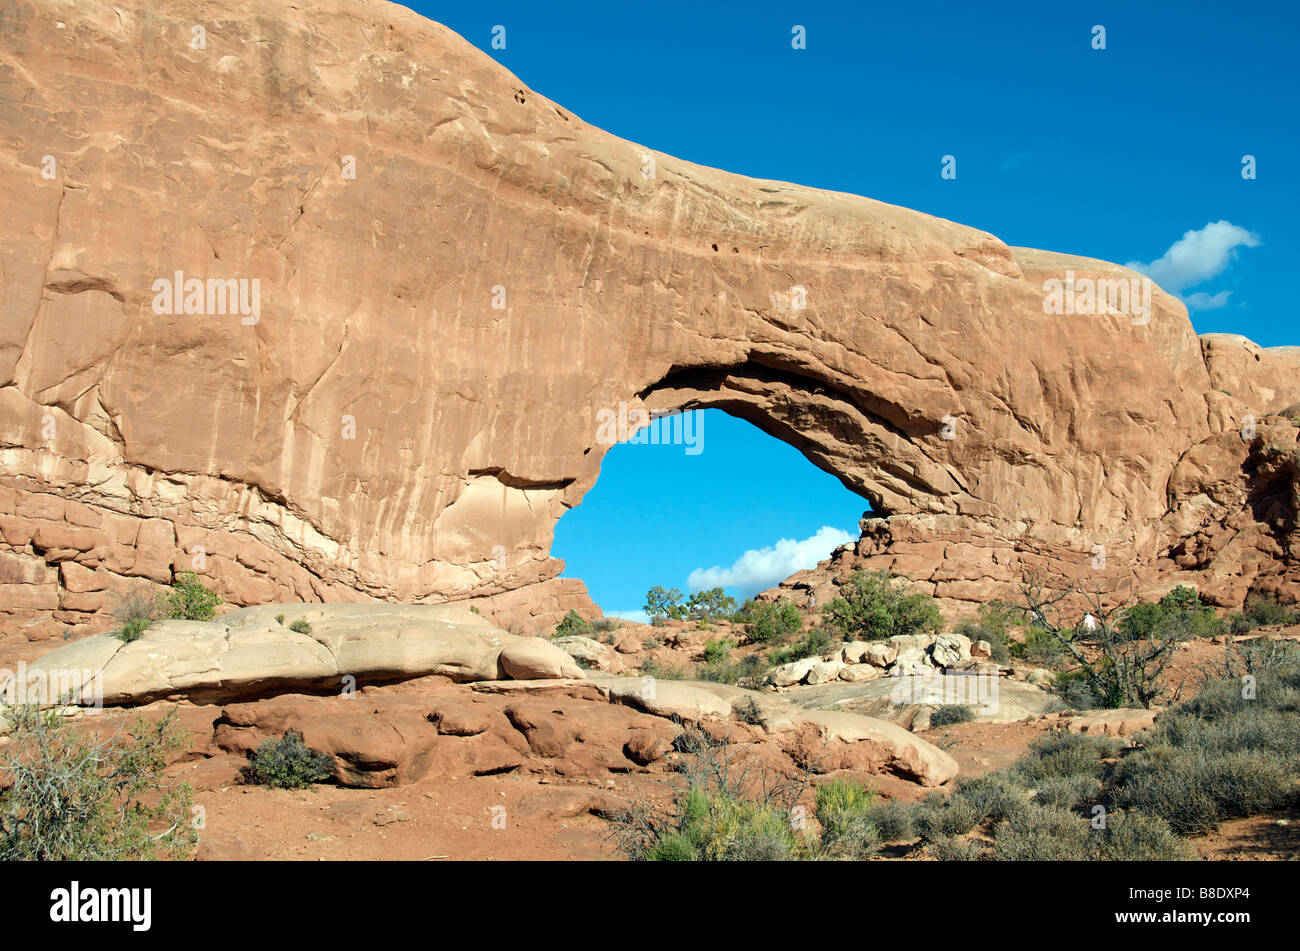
456 278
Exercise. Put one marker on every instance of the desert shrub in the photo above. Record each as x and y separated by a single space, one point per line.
770 621
279 619
951 713
719 827
1076 691
875 606
726 805
1042 834
1179 614
816 642
286 763
1135 837
749 672
993 624
938 818
1194 790
1041 648
663 671
189 600
893 820
133 630
1259 655
1225 754
573 624
1062 755
72 796
994 796
717 648
301 626
661 603
1067 791
140 603
605 624
843 812
1262 611
955 848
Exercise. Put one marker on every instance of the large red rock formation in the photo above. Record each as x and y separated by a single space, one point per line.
456 276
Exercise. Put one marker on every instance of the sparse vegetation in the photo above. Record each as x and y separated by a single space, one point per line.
816 641
770 622
875 606
573 624
993 624
1262 611
286 763
301 626
72 796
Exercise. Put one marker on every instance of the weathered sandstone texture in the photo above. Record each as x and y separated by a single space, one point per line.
456 276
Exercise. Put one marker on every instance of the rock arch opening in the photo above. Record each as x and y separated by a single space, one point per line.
743 513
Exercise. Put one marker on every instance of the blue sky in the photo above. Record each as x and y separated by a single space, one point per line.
1130 154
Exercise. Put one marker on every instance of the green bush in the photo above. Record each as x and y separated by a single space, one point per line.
189 600
573 624
720 827
301 626
133 629
605 624
74 796
286 763
770 621
843 812
874 606
951 713
1179 614
717 648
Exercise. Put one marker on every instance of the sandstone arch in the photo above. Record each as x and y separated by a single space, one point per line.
129 439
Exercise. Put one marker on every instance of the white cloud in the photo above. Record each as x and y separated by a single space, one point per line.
1203 301
1197 256
761 568
639 616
